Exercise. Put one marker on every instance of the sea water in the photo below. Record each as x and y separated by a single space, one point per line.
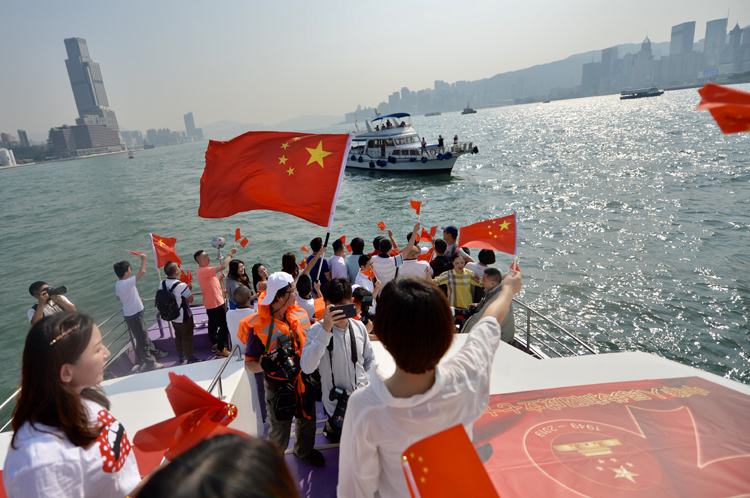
633 221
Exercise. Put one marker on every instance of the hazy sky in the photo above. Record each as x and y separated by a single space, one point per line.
250 61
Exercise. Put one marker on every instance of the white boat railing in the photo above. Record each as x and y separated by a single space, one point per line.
542 336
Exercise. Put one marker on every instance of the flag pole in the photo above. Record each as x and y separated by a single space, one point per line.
320 260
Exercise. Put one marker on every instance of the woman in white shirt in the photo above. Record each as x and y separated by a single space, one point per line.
415 324
66 443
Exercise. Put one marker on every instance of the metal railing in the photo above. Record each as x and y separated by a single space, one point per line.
217 378
543 336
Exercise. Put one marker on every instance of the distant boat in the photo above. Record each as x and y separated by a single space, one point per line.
436 113
545 102
640 93
468 110
131 155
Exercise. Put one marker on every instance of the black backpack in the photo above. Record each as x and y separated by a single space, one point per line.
166 303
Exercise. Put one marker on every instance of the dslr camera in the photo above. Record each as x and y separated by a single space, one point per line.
57 291
335 422
281 357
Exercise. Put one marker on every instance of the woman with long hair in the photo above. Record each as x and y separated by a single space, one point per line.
425 395
65 442
260 277
236 277
289 264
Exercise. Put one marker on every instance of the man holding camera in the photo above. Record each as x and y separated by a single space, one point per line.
341 348
50 301
275 342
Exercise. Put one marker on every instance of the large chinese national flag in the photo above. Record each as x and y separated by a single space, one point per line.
729 107
293 173
164 250
498 235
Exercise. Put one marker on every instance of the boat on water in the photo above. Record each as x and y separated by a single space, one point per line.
436 113
468 110
131 155
562 420
393 145
640 93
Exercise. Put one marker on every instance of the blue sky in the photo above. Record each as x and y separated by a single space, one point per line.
251 61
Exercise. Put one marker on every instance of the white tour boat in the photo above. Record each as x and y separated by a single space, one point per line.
399 148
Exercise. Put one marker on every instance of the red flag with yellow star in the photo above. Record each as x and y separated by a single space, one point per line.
446 465
497 235
164 251
729 107
294 173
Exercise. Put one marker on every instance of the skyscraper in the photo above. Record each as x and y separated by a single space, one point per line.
189 124
23 138
716 35
682 39
88 86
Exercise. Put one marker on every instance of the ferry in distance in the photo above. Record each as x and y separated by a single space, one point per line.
435 113
640 93
468 110
393 145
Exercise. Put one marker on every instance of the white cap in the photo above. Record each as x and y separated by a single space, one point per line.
276 282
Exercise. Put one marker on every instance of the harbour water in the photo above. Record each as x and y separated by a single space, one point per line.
633 221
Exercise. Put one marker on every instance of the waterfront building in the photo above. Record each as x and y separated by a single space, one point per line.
7 158
715 41
88 86
83 140
189 124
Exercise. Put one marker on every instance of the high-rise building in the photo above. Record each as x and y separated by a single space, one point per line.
88 86
23 138
716 35
189 124
682 39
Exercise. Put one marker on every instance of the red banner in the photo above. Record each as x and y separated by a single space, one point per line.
653 438
729 107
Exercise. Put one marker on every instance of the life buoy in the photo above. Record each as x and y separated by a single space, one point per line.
447 155
440 157
354 157
360 159
433 152
392 160
372 164
412 159
424 160
381 163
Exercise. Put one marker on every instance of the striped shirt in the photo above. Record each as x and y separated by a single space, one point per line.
459 286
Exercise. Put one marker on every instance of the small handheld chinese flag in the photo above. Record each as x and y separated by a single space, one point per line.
369 273
244 242
348 248
237 235
514 266
729 107
426 256
498 235
446 465
343 239
425 236
304 249
433 231
164 250
135 253
381 225
186 277
416 205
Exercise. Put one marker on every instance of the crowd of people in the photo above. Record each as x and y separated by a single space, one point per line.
308 331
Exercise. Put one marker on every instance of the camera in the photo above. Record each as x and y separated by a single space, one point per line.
465 313
365 315
335 422
57 291
283 356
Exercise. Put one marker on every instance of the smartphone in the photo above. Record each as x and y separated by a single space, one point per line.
349 310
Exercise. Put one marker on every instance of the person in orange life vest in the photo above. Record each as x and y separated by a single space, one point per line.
213 300
279 317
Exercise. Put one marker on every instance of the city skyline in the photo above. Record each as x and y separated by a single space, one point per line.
269 63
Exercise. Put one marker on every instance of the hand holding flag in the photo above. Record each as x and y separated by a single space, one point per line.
135 253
